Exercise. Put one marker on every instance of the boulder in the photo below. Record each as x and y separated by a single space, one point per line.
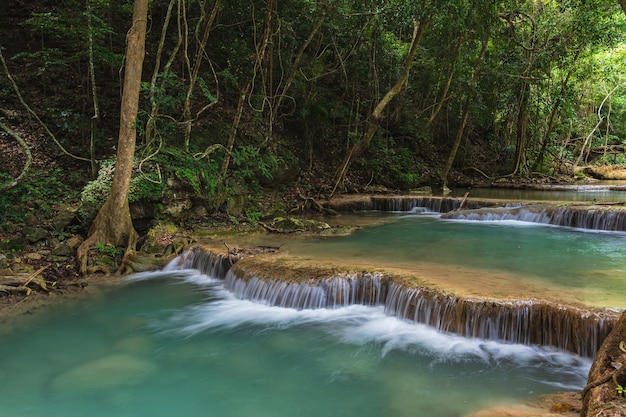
16 244
35 234
67 247
63 218
62 249
293 224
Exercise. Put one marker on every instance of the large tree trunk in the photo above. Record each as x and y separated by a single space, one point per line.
113 224
361 146
604 394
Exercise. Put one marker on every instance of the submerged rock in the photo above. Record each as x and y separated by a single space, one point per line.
103 373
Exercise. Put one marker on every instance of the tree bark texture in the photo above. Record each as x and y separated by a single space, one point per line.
113 224
602 397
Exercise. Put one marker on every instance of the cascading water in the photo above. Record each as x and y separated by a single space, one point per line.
579 216
433 204
578 331
569 216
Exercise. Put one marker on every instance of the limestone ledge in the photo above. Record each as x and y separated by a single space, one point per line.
428 294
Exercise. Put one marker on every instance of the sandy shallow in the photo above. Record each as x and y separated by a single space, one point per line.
567 404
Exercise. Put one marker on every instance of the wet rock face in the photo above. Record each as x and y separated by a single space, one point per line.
604 394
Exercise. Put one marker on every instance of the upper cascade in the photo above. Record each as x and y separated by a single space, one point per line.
584 217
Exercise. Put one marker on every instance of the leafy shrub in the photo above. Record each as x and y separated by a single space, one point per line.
149 181
41 188
251 165
393 166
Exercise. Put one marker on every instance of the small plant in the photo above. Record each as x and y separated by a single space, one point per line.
108 250
253 216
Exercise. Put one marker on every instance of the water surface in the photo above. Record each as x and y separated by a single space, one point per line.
600 191
179 344
588 267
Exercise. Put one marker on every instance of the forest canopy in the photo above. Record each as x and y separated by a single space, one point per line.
330 95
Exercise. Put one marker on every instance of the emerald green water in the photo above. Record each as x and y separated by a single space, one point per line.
178 344
604 192
590 262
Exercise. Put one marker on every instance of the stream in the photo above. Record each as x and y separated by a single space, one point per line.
177 342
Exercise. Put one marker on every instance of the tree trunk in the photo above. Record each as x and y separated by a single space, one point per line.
607 376
246 89
96 111
557 104
113 224
468 101
446 89
193 76
361 146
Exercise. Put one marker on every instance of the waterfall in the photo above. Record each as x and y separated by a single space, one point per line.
432 204
575 330
406 204
597 218
205 261
328 293
528 322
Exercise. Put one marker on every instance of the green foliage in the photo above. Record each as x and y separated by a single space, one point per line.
199 175
41 189
250 164
94 194
253 216
69 25
150 182
393 166
108 250
169 93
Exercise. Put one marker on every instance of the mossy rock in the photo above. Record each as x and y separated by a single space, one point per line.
16 244
294 224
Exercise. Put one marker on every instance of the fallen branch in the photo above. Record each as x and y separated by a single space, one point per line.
463 201
34 274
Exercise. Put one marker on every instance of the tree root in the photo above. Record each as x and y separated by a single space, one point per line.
307 203
612 375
